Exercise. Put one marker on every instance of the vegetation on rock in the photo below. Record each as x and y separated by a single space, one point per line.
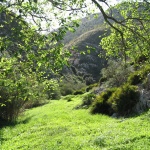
124 99
101 105
34 70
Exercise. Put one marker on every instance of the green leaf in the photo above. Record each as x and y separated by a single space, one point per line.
71 29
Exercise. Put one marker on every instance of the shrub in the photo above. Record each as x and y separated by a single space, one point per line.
89 80
141 59
124 99
69 98
18 86
13 88
135 78
66 90
102 79
115 74
37 94
101 105
69 84
51 88
80 91
91 86
138 76
88 99
145 70
12 103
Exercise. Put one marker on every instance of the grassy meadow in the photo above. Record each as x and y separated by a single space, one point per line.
59 126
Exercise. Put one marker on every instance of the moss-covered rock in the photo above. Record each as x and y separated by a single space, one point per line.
139 76
101 105
124 99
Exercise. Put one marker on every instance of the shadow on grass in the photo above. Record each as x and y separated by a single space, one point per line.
144 115
132 140
128 143
4 123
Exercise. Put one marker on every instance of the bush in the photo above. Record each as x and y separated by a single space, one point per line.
69 84
124 99
66 90
69 98
37 94
135 78
91 86
12 103
79 92
102 79
138 76
51 88
145 70
115 74
88 99
13 88
101 105
141 59
18 87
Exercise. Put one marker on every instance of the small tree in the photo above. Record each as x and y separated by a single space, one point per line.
16 84
116 73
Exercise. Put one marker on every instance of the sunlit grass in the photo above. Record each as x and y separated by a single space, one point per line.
58 126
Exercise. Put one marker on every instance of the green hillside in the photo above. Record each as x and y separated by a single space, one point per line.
59 126
89 63
86 24
86 42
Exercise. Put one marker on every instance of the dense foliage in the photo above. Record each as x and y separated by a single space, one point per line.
131 39
124 99
31 52
120 100
116 73
20 87
139 75
101 105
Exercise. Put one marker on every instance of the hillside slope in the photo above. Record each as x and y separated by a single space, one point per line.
86 24
86 42
86 54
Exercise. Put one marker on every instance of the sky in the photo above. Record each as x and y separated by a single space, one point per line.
92 9
96 10
54 23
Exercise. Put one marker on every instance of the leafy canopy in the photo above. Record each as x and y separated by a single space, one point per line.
132 40
45 16
30 37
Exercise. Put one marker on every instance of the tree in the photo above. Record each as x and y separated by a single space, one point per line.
64 12
27 34
135 37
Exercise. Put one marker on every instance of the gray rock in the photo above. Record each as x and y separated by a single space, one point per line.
115 115
144 101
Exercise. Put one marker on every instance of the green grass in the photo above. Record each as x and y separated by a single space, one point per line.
58 126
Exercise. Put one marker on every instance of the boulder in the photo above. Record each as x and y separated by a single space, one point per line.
144 101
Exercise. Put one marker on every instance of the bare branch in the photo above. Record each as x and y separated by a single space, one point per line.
106 17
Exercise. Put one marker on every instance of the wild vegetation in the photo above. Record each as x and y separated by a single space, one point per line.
35 69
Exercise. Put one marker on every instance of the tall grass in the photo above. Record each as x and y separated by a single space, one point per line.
58 126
